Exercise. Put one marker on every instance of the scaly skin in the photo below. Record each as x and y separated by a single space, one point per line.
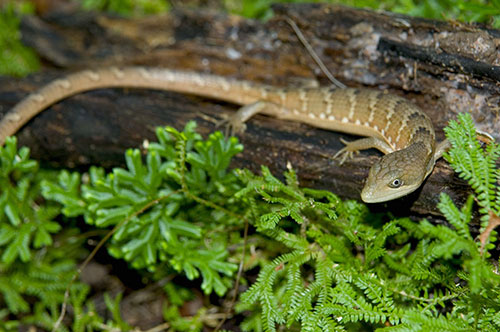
391 124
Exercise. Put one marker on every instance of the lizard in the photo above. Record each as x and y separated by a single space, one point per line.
391 124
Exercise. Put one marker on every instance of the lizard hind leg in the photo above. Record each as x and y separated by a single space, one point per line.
235 123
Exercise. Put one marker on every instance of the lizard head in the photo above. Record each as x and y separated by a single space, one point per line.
396 174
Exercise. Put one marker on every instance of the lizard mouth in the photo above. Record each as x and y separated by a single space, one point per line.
377 195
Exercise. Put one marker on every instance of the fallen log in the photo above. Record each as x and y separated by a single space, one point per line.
443 67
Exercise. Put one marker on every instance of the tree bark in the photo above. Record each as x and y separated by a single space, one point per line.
443 67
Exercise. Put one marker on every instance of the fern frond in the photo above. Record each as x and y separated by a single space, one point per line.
478 168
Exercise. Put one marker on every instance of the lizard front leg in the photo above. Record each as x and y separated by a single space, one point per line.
362 144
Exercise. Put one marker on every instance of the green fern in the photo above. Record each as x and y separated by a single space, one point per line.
325 264
355 278
163 228
44 278
127 7
15 58
24 225
468 11
85 316
474 165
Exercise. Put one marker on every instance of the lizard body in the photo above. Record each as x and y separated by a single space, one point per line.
391 124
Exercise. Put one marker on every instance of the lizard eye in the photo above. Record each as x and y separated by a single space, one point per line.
396 183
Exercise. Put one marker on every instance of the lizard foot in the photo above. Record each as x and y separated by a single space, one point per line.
232 125
347 152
